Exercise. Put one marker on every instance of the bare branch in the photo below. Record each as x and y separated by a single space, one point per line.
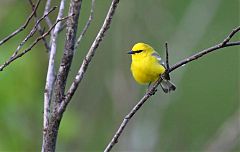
51 70
51 132
227 39
66 62
86 26
223 44
14 55
202 53
30 47
89 56
32 32
151 91
39 27
167 59
60 99
21 28
131 114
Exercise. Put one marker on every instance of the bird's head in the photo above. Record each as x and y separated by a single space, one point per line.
141 49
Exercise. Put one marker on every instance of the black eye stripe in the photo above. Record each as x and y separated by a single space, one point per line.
138 51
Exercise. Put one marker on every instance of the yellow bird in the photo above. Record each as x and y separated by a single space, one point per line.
147 66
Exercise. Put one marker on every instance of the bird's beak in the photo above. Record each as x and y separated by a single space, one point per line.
130 52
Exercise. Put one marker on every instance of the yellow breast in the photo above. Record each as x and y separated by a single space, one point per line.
146 70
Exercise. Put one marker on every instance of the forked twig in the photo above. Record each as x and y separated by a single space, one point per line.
86 25
39 27
8 62
21 28
32 32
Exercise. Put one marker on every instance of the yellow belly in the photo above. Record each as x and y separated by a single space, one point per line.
146 72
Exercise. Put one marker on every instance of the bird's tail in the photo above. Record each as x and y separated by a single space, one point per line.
167 85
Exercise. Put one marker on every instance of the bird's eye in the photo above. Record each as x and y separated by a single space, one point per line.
138 51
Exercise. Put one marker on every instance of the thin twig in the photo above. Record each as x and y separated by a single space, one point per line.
32 32
131 114
167 59
21 28
87 25
51 70
223 44
89 56
39 27
31 46
228 38
202 53
34 29
150 92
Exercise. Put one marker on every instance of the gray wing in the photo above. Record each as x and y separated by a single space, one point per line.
155 54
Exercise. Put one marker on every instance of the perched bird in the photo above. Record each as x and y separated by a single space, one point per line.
147 66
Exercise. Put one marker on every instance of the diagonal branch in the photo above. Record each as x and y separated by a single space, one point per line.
39 27
131 114
202 53
16 52
87 25
8 62
33 31
228 38
225 43
89 56
21 28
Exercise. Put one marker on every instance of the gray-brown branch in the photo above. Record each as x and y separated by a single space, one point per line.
61 101
225 43
66 62
50 78
51 132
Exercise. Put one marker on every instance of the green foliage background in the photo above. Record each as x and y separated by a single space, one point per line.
207 92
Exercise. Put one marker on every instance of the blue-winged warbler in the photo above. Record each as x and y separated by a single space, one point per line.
147 66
